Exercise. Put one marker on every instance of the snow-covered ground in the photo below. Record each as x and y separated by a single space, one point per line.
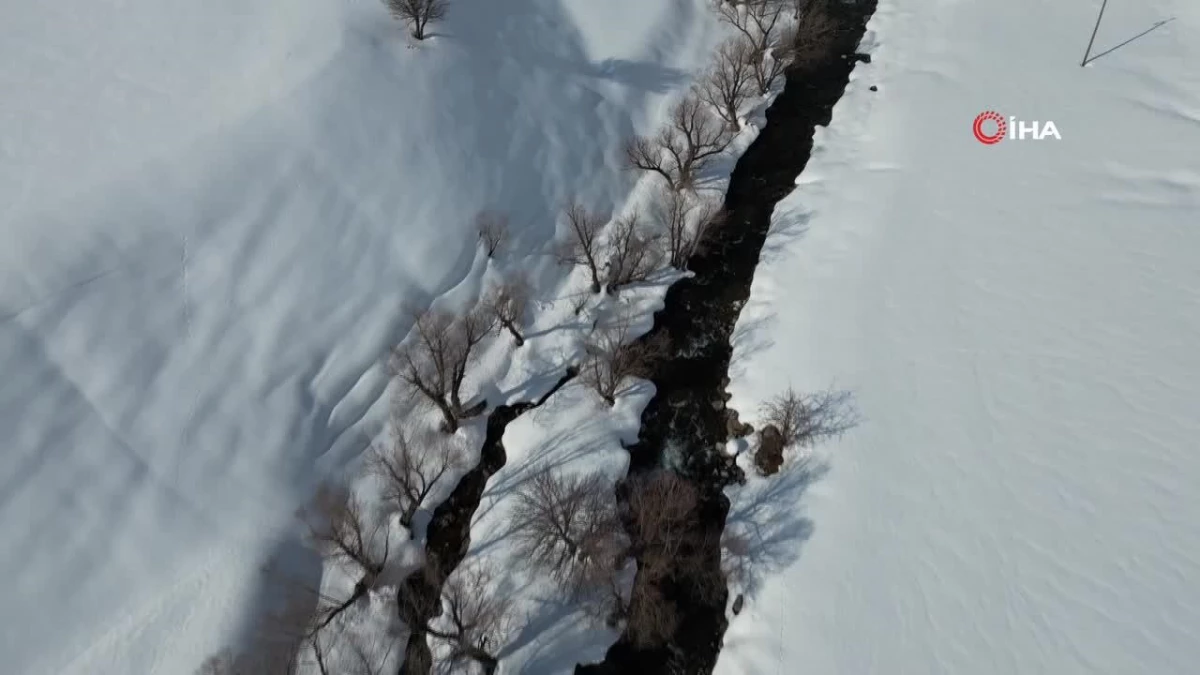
212 214
1020 325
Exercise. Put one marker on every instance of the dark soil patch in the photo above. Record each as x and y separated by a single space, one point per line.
687 414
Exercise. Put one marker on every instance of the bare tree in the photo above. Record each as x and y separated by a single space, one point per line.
476 621
772 46
341 529
508 303
433 362
583 248
418 13
727 84
410 468
768 66
611 358
756 20
568 525
684 218
804 419
493 231
684 147
633 255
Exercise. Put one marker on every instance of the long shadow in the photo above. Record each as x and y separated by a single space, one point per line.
766 529
290 566
1149 30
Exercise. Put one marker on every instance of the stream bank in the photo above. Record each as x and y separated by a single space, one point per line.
448 536
686 424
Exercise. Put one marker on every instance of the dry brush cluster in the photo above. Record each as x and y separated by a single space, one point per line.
794 420
618 253
575 531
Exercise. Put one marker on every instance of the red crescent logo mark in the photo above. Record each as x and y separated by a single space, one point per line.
1001 128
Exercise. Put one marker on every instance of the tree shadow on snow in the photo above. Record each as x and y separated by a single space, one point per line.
751 335
288 573
557 637
766 529
546 457
783 235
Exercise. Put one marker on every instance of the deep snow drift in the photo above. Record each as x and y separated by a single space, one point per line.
212 215
1020 325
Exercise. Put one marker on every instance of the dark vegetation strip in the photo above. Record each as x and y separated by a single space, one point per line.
448 536
687 413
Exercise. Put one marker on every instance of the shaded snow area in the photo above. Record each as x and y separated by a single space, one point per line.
1019 323
212 214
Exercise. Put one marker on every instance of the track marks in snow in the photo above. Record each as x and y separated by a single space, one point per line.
1140 188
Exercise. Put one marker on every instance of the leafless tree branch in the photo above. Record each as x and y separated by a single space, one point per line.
568 525
493 231
418 13
727 84
411 467
341 529
685 219
805 419
684 147
611 357
582 247
756 20
433 362
633 255
475 621
508 303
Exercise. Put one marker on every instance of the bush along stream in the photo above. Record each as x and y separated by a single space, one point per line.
448 536
686 424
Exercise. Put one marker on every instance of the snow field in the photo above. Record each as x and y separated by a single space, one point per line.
1016 321
212 217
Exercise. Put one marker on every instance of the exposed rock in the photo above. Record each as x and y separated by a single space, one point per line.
735 428
769 456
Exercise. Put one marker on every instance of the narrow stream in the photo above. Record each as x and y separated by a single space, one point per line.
448 536
685 425
687 413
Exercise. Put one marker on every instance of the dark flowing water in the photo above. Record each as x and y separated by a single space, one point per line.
687 413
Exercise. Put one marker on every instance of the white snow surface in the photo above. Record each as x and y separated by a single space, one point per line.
212 215
1019 323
